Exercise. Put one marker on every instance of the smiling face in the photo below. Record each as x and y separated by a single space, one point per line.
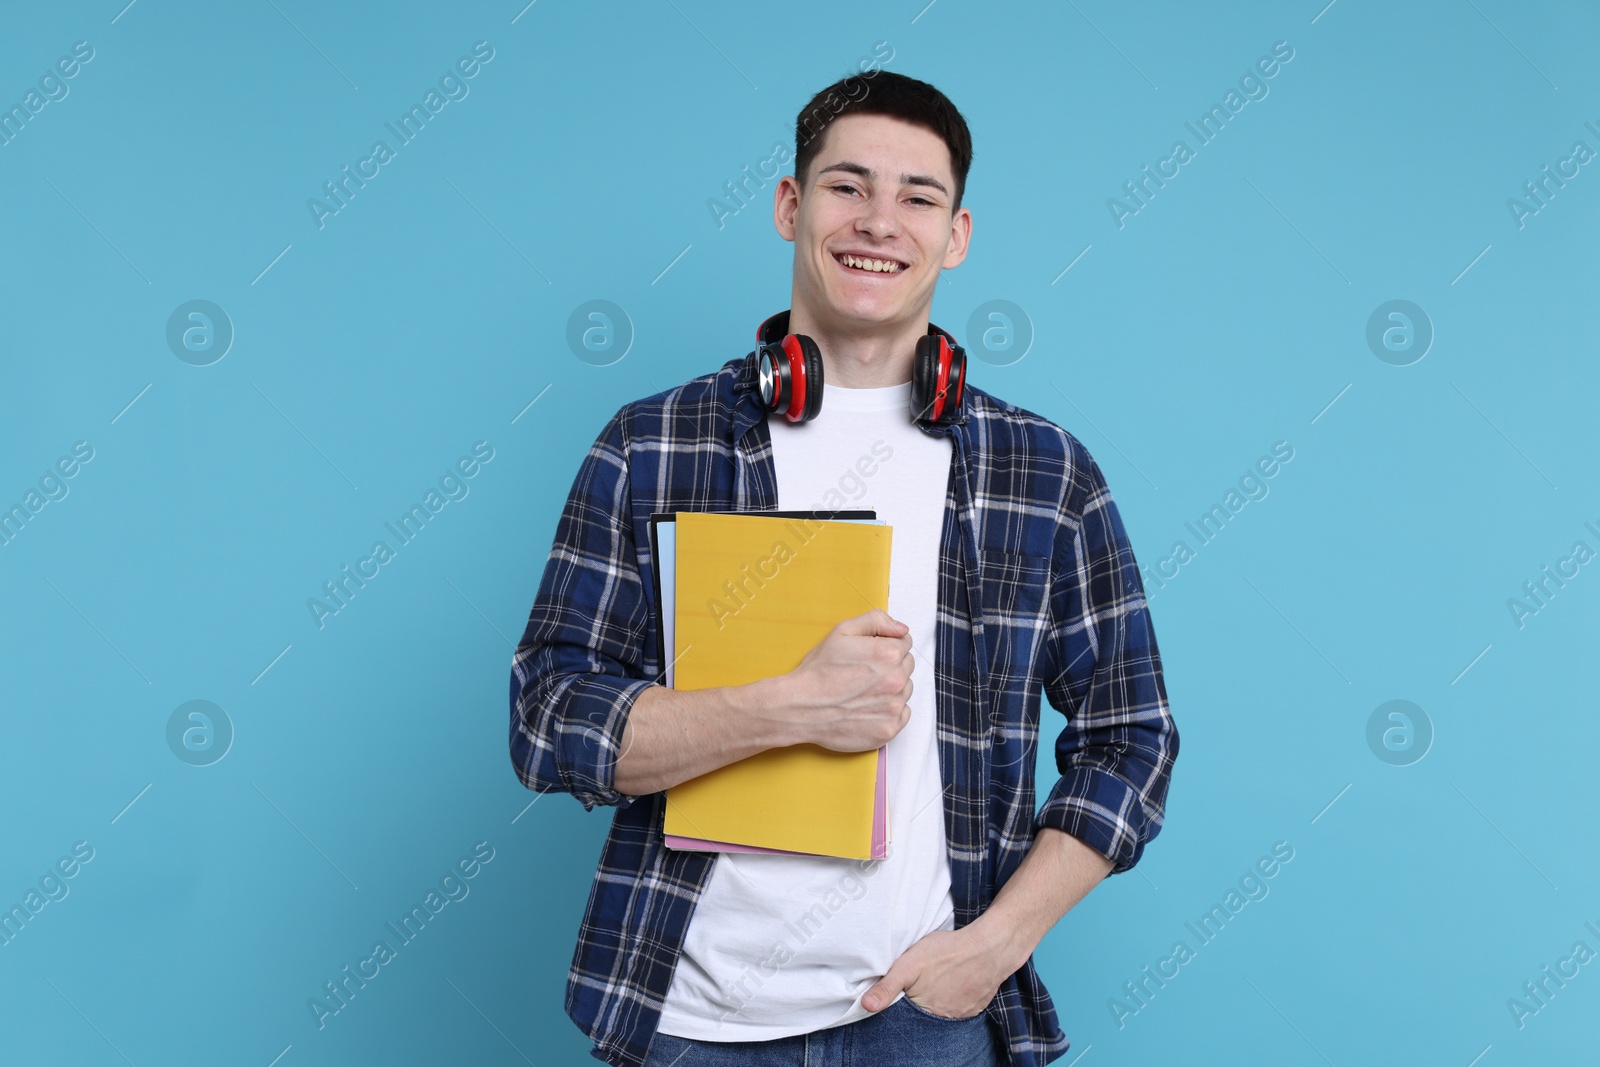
873 226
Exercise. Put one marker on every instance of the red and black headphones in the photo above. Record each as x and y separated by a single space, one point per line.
789 366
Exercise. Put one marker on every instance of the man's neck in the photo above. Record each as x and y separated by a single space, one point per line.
857 359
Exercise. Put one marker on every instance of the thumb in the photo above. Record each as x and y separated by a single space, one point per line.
883 991
874 623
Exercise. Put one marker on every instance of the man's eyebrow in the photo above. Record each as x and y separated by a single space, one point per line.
866 172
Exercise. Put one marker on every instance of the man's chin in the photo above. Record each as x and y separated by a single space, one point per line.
869 314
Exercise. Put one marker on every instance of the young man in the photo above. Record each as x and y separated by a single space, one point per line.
1010 572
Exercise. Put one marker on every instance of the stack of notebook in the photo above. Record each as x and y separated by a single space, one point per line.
744 597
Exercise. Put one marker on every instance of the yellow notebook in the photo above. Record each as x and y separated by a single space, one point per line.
754 595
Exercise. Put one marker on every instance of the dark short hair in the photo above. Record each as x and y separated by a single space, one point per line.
883 92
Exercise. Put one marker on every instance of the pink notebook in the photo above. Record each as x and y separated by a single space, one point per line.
880 826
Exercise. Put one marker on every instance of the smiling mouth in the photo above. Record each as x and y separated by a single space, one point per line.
869 265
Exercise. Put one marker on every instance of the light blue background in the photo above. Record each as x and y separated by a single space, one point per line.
370 754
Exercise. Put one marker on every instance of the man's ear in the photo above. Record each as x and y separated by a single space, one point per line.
960 237
786 206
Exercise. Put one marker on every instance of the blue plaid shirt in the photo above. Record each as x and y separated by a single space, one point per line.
1037 588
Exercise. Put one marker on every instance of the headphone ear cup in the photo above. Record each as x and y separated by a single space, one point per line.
958 379
773 368
924 377
812 357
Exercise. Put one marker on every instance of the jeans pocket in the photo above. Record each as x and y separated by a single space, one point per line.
925 1013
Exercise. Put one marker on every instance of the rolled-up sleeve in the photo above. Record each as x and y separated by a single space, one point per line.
580 664
1103 671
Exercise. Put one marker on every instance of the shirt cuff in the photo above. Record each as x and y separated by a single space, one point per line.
1102 810
591 743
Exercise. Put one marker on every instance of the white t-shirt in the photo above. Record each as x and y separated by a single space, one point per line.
784 945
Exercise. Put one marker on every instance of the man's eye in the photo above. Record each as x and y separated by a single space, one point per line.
921 200
844 188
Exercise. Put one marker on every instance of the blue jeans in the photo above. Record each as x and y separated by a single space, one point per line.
901 1035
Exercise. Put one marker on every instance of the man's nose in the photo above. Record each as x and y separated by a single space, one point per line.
876 221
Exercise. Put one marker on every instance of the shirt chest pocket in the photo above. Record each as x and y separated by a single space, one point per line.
1016 615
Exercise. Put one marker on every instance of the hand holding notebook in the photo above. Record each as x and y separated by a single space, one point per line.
847 682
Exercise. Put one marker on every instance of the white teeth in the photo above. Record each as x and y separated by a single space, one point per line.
880 266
